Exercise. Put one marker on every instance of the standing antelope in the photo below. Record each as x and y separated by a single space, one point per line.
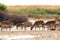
51 25
6 24
38 23
57 26
58 19
24 24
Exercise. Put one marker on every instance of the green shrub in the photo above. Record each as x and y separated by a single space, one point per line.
3 7
57 11
37 11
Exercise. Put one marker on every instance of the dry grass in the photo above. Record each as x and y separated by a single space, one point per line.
33 7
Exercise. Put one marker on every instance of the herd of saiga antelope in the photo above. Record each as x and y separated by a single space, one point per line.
8 20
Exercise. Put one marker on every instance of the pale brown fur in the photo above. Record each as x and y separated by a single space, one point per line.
57 26
24 24
51 25
6 24
58 19
38 23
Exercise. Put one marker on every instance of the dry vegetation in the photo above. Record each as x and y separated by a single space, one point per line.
34 10
33 7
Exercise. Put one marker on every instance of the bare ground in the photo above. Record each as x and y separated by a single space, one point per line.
28 32
39 35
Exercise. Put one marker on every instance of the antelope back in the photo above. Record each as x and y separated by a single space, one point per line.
51 22
7 23
39 22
